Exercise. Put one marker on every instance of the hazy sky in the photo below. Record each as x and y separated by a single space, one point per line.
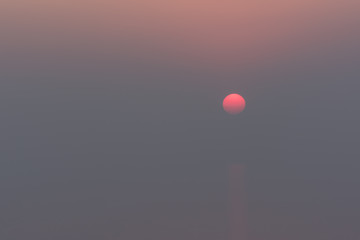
112 126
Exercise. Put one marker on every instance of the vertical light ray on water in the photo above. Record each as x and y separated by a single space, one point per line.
237 205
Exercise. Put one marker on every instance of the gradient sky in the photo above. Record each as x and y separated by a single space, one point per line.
112 126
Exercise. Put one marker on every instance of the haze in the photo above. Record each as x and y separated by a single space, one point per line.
112 125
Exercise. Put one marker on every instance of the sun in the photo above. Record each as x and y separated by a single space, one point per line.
234 104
